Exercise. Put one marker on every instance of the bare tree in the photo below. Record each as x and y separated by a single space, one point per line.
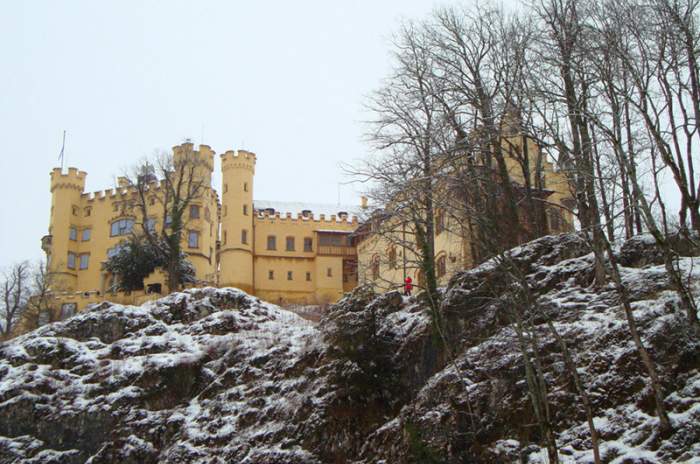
479 56
410 134
657 51
561 89
16 288
166 188
611 48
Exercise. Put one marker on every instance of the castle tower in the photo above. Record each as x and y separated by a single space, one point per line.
201 249
63 227
202 159
236 253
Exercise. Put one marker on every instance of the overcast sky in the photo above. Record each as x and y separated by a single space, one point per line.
125 78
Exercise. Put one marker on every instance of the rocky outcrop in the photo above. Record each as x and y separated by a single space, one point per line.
217 376
478 410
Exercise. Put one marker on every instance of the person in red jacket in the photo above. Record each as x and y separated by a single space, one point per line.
408 286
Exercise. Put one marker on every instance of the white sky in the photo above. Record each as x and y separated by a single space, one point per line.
283 79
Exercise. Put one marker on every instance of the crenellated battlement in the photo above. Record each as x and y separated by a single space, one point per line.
119 192
288 218
240 159
73 179
205 153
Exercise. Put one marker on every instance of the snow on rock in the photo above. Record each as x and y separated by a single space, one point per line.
188 378
207 375
477 408
217 376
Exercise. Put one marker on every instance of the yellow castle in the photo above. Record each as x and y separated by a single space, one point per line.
286 253
387 254
279 251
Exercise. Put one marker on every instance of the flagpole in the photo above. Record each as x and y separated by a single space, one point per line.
63 147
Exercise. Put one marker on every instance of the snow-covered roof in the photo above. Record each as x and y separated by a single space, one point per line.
333 231
316 209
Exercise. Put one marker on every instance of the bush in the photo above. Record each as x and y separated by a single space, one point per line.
136 259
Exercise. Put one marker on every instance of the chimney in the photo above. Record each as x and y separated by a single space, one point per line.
363 202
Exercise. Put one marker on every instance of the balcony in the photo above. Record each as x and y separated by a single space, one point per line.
336 250
46 243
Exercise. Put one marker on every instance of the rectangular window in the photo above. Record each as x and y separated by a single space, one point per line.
333 240
244 236
68 310
75 210
290 243
308 244
84 260
111 252
289 275
87 211
121 227
225 235
44 318
193 239
271 242
194 211
271 275
225 188
245 210
73 234
329 272
86 235
245 186
308 277
71 260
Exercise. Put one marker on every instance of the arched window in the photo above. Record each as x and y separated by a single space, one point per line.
420 277
439 221
392 257
375 267
441 265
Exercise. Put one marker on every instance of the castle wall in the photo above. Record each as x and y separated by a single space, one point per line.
309 282
452 243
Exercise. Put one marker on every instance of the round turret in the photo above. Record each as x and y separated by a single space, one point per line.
236 253
66 189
